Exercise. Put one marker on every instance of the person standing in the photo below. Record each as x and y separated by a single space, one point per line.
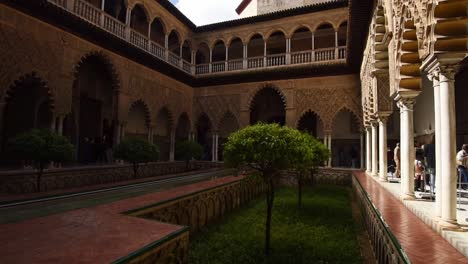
462 160
429 156
396 159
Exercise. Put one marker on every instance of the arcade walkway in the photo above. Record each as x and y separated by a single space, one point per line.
420 242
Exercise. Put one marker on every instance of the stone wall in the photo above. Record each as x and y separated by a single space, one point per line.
321 176
25 181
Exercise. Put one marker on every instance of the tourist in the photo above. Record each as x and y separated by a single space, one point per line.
396 159
419 175
462 160
429 156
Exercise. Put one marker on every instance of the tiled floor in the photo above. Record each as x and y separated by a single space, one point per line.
420 242
98 234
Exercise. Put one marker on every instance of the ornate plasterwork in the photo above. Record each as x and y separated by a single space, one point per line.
216 107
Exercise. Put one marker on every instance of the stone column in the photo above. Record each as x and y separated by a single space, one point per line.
336 45
150 135
383 162
313 46
448 146
117 132
172 146
265 54
374 150
368 150
330 148
193 61
227 59
60 120
53 123
166 47
244 56
213 147
407 152
434 76
288 51
361 139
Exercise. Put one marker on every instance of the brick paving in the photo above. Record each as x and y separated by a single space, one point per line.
98 234
420 242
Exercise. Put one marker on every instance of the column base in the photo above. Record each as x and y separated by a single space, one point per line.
448 224
407 197
374 174
383 179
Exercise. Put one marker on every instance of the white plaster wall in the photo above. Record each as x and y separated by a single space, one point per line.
250 10
424 109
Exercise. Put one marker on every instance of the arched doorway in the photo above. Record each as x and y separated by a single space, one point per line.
346 138
311 123
93 105
139 20
268 106
163 134
204 135
138 121
28 106
182 130
227 126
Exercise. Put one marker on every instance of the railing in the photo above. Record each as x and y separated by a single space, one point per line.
218 66
386 247
301 57
99 18
276 60
138 39
157 50
174 59
255 62
202 68
234 65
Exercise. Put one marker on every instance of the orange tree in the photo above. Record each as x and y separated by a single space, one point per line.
136 151
41 147
267 148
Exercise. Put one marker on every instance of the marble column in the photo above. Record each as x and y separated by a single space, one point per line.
122 132
214 148
407 152
172 146
383 162
150 135
434 76
374 149
362 150
368 150
448 146
60 120
53 124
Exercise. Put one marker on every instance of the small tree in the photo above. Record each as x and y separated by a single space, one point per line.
41 147
188 150
136 151
267 148
310 154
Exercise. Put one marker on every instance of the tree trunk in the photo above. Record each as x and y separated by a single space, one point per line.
270 196
40 170
299 186
135 170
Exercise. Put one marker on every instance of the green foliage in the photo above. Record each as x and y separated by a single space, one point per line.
41 146
310 152
322 231
188 150
136 151
265 147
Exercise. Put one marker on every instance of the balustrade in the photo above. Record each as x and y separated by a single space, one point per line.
255 62
276 60
99 18
301 57
234 65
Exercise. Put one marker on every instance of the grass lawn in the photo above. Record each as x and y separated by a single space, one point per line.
322 231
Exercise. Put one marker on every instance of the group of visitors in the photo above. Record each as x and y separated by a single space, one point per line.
425 164
96 150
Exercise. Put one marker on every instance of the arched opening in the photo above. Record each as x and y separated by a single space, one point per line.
227 126
276 49
301 40
28 106
255 51
203 54
162 134
346 140
268 107
324 37
139 20
219 51
95 3
187 51
183 128
204 136
311 123
93 106
138 121
236 49
117 9
174 43
158 33
342 34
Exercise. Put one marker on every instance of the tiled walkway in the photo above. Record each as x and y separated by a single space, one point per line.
420 242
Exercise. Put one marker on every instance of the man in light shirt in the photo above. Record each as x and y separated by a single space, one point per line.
462 161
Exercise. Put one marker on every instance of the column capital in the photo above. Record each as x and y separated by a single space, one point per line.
383 116
406 100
